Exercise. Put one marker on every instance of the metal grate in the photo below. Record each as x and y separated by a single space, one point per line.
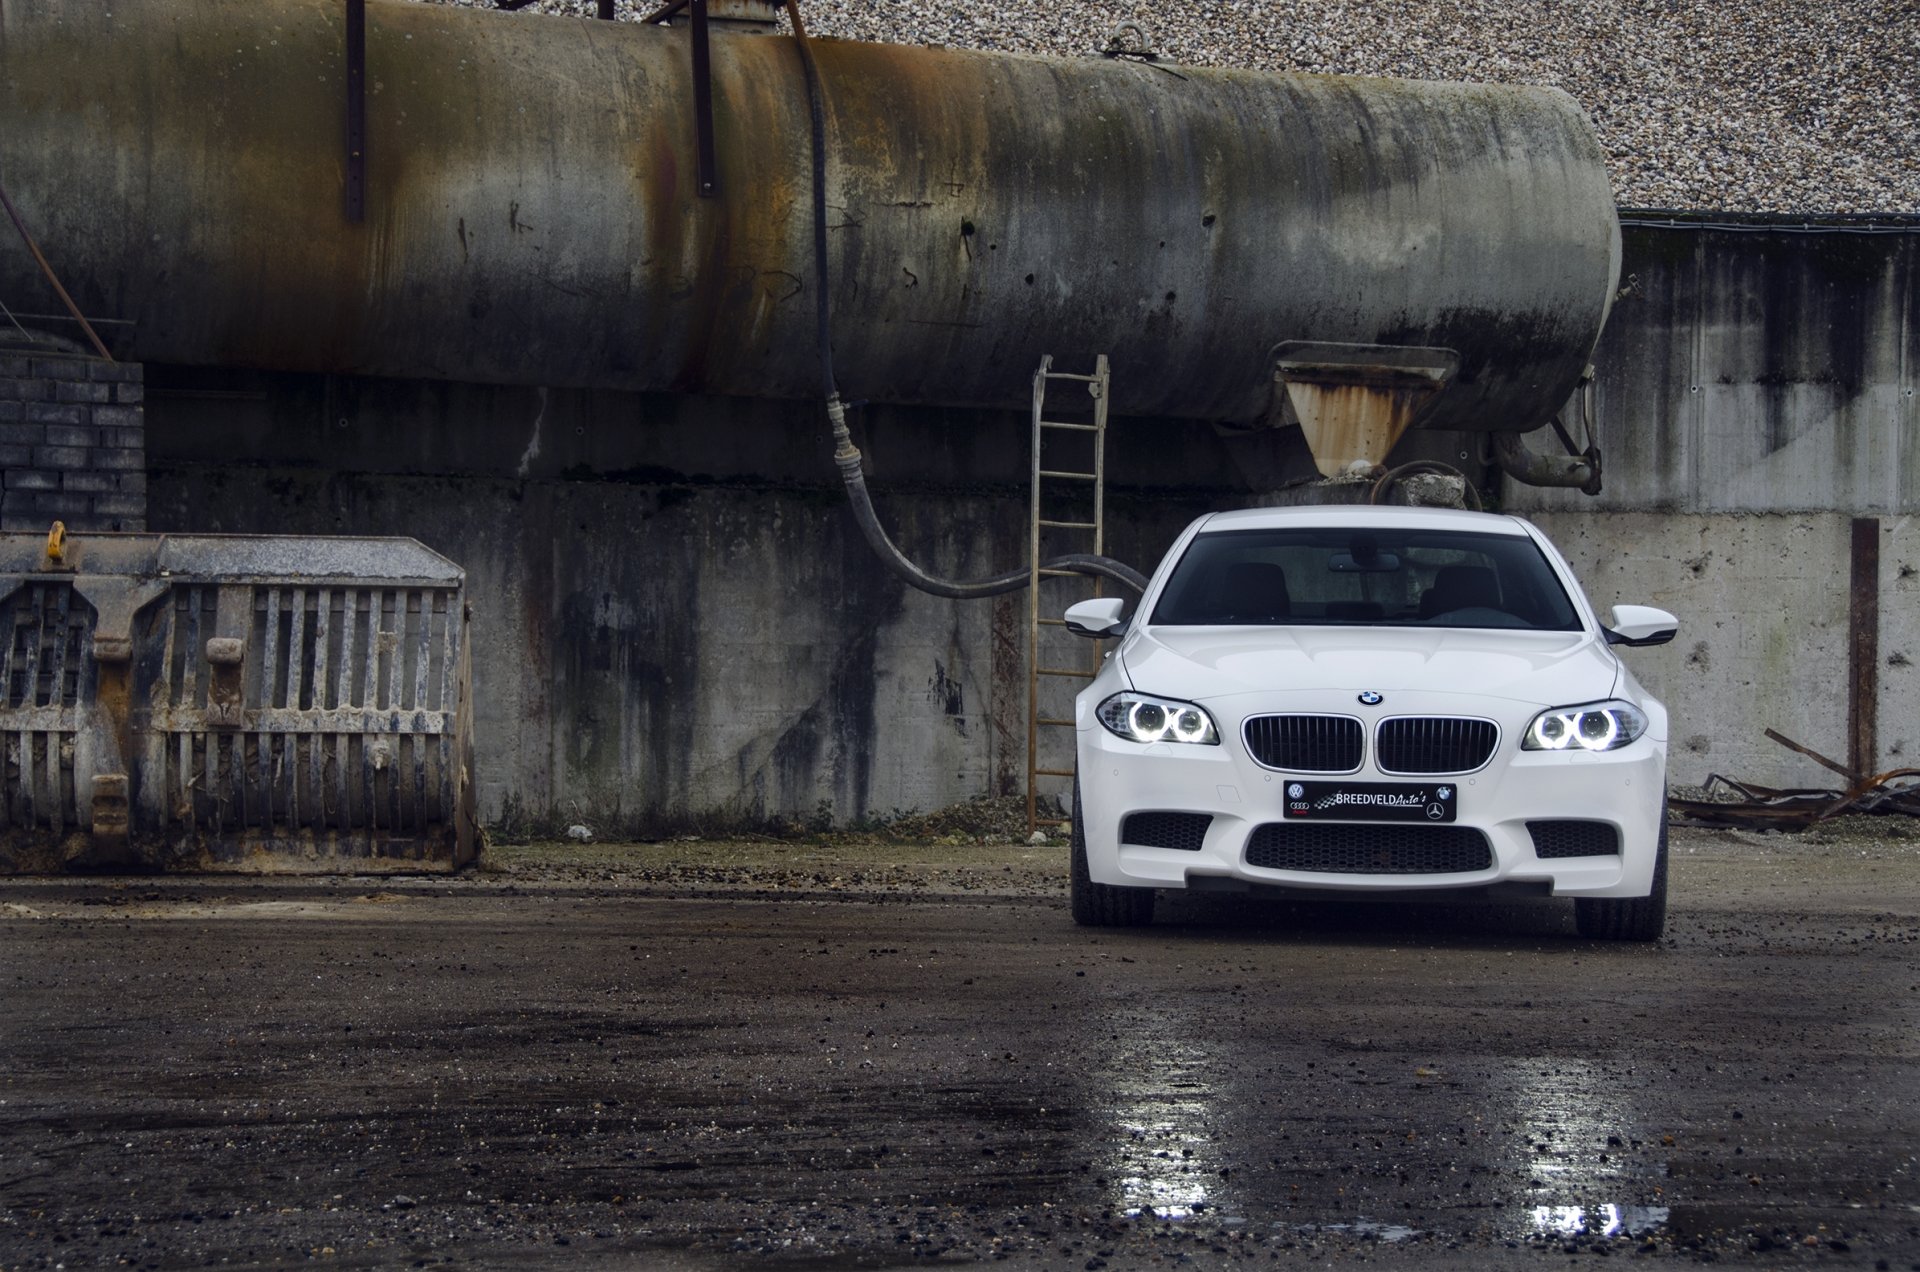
1370 849
1573 839
353 696
1183 831
47 672
232 702
1438 744
1305 743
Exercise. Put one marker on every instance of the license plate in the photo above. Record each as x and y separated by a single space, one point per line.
1371 801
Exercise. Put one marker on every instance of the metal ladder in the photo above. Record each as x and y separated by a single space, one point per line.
1046 664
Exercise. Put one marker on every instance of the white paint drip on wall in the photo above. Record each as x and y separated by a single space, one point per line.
533 443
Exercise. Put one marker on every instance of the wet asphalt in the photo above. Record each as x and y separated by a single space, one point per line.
696 1056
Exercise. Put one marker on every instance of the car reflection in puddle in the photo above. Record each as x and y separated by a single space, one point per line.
1598 1221
1579 1135
1162 1159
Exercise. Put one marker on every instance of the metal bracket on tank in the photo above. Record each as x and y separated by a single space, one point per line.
1354 401
706 160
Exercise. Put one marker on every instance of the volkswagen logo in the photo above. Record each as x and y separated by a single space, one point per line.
1371 699
1295 790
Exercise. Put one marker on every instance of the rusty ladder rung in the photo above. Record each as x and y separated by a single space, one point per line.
1074 521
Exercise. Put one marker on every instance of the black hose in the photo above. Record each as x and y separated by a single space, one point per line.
846 456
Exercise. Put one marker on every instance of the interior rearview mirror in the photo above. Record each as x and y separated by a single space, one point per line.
1372 563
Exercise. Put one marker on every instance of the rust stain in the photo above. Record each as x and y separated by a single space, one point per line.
1347 424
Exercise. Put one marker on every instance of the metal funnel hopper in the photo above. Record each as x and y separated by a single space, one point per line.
1354 402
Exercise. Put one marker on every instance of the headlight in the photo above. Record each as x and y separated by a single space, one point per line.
1138 718
1598 726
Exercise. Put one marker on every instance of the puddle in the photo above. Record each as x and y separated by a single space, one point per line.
1598 1221
1161 1160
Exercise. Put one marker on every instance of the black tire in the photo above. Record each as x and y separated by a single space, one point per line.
1629 918
1102 904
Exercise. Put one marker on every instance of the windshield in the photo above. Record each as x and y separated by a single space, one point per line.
1343 576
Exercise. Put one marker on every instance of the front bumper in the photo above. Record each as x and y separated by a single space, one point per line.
1625 789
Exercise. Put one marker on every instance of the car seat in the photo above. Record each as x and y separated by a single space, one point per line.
1457 587
1254 592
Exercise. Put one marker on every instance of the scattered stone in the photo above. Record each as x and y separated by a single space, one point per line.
1747 105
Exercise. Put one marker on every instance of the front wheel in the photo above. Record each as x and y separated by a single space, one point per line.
1102 904
1629 918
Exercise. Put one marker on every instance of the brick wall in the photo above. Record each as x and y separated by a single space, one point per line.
73 443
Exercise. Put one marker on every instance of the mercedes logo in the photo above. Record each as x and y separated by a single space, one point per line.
1370 698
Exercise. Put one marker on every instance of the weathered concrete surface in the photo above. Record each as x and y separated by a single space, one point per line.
1761 368
1763 606
1759 387
694 1055
675 619
651 655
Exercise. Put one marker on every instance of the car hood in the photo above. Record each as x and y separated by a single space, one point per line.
1195 663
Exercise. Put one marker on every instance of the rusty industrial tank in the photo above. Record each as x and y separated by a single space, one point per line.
532 216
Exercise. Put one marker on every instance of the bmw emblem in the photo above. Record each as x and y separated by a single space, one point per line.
1371 699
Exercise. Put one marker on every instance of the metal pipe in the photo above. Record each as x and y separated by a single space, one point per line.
846 456
356 192
40 259
1513 457
539 221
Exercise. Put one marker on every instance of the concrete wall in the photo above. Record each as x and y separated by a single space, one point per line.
1763 602
1756 391
676 622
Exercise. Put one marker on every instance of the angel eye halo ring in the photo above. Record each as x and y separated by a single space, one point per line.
1593 726
1142 718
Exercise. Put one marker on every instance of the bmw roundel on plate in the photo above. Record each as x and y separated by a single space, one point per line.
1363 700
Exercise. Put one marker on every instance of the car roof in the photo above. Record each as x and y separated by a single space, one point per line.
1360 516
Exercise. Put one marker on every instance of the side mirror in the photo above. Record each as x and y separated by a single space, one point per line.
1638 625
1100 617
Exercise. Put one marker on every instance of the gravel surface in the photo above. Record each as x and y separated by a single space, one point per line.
1792 106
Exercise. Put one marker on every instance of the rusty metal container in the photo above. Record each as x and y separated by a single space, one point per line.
233 702
531 211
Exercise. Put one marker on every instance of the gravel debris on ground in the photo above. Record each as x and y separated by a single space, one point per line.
527 1067
1725 105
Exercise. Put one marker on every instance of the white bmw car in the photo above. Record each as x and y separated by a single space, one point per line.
1352 701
